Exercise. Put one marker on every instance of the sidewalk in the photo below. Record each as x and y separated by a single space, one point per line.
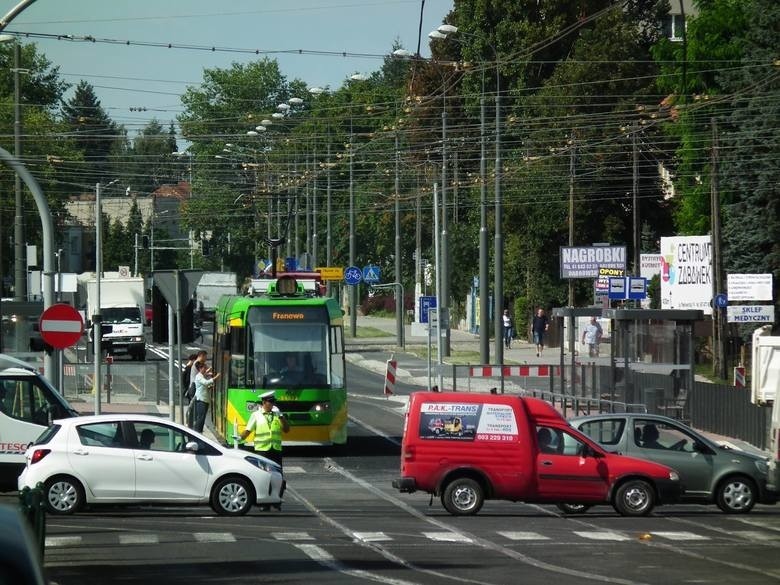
367 353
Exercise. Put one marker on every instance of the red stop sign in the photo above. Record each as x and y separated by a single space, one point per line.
61 326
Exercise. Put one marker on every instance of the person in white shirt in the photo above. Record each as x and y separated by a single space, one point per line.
591 336
204 382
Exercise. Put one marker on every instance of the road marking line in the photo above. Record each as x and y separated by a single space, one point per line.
293 469
139 539
482 542
214 537
371 536
63 541
447 537
292 536
755 535
602 535
323 557
523 535
682 535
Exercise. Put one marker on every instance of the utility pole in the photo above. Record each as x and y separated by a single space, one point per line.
20 263
445 248
399 300
498 302
484 260
572 154
719 355
635 199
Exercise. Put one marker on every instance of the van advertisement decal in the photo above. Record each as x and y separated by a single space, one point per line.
467 422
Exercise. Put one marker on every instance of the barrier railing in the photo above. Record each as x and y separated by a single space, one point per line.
33 507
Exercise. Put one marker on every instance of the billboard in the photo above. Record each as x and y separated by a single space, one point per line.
585 261
686 273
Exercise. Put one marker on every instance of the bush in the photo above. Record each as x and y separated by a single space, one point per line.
383 304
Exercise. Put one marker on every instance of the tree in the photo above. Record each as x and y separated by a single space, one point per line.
92 132
43 150
750 141
149 163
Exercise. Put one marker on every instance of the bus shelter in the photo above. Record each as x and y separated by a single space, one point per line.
651 355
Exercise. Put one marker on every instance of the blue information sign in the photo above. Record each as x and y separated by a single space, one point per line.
352 275
721 301
371 274
637 288
425 304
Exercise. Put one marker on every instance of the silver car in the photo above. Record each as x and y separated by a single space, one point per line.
710 473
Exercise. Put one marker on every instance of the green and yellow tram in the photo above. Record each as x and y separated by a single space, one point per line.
288 339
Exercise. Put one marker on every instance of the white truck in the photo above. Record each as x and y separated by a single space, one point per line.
211 287
28 404
764 388
122 309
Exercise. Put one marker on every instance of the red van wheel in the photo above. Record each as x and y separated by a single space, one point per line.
634 498
463 497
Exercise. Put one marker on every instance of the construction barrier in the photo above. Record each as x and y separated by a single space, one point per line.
506 371
739 376
392 364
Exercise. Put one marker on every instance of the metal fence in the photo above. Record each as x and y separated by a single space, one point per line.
134 381
587 388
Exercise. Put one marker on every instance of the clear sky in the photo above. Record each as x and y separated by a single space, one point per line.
152 77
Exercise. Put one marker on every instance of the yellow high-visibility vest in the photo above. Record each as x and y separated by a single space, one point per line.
268 432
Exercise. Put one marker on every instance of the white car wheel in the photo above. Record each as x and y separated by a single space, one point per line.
232 496
64 495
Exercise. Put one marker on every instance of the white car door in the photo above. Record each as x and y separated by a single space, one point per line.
164 470
98 455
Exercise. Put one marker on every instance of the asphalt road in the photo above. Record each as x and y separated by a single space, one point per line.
342 522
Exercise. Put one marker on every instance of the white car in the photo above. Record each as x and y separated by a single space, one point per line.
137 459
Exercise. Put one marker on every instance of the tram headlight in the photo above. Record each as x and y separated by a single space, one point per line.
320 407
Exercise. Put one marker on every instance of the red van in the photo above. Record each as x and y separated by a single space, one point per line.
519 449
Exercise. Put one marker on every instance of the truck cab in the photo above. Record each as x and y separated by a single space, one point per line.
28 404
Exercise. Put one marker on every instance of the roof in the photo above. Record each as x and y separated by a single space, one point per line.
7 361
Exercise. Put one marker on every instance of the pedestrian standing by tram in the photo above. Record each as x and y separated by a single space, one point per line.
204 383
192 363
268 423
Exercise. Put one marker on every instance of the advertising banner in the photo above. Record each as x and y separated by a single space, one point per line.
686 273
585 261
749 287
468 422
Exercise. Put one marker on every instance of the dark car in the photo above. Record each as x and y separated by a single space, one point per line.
710 473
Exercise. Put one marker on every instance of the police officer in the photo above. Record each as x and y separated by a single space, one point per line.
268 423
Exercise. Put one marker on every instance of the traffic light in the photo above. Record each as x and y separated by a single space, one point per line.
205 247
145 242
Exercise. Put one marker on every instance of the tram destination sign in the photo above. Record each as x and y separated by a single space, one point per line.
585 261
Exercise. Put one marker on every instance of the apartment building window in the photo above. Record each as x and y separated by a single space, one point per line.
674 25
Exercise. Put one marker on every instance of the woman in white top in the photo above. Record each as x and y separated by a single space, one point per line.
203 385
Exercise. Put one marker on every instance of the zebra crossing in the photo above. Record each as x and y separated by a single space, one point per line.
770 535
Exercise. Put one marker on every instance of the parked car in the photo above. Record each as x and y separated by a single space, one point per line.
710 473
141 459
521 449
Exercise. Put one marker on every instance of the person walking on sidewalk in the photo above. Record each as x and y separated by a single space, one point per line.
591 335
539 328
509 328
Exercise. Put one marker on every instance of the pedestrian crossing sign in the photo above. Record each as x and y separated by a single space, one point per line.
371 273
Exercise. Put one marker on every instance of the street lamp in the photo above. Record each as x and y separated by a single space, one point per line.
352 237
97 317
444 31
